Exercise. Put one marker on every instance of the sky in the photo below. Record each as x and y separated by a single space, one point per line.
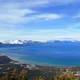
40 20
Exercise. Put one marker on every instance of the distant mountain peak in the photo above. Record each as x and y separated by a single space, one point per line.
14 42
30 41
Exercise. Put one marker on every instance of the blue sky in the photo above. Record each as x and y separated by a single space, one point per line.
39 19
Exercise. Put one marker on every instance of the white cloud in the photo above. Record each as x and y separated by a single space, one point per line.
49 16
44 17
13 11
13 15
21 16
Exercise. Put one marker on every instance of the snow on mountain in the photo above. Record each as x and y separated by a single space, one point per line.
14 42
30 42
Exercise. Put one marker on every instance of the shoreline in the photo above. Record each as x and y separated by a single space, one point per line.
35 72
43 64
39 64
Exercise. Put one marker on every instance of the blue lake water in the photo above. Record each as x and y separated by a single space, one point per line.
50 55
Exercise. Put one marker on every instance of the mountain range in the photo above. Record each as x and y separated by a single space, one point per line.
30 41
16 43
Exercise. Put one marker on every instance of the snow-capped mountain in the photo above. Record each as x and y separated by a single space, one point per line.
18 42
36 42
14 42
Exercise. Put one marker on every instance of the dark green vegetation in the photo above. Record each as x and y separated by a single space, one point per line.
13 70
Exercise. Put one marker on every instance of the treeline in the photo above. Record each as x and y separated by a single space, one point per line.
26 74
